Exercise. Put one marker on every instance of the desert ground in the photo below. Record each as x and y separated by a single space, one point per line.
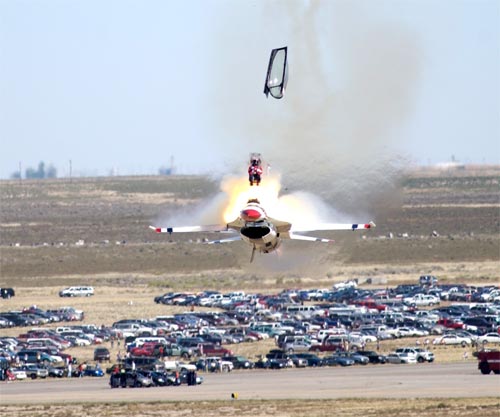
94 231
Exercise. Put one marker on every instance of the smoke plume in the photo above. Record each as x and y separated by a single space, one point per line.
351 87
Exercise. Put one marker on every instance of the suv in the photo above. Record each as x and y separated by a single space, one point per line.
240 362
101 354
33 371
421 355
144 362
34 356
7 292
372 356
428 280
77 292
278 359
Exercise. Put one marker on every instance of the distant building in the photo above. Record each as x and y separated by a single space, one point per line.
451 165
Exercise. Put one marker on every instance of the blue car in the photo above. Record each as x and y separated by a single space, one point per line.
93 371
338 360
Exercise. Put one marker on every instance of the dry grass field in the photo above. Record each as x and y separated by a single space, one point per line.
476 407
42 221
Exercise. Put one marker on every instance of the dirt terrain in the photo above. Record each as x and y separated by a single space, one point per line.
94 229
412 407
56 233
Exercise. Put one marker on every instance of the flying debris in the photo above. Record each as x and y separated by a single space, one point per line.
277 73
264 234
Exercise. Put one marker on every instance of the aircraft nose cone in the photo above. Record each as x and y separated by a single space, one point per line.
250 215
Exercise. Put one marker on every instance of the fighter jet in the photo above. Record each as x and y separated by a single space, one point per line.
263 233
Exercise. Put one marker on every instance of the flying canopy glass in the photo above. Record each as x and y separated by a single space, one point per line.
277 73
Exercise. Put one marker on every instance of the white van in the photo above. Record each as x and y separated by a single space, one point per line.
77 292
45 341
134 329
139 341
303 311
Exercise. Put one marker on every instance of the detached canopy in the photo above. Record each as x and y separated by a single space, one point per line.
277 73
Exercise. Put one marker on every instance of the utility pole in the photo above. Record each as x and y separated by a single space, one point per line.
70 170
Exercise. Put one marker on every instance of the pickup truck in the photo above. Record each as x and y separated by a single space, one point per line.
155 349
210 349
421 300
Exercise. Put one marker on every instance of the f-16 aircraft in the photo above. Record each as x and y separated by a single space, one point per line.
262 232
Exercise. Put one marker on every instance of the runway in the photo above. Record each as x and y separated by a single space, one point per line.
455 380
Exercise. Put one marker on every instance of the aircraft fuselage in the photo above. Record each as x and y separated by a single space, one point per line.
258 231
262 235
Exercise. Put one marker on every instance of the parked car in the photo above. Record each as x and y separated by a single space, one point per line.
214 364
421 355
402 357
421 300
240 362
144 362
132 379
330 344
7 292
357 358
210 349
488 338
159 378
297 346
297 361
190 377
373 357
428 280
452 339
101 354
35 356
312 359
450 323
278 360
140 379
17 373
77 292
90 371
338 360
33 371
56 372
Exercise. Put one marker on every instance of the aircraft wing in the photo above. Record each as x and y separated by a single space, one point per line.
281 226
228 240
309 238
333 226
192 229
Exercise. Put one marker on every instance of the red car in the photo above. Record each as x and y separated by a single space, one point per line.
209 349
330 344
371 305
450 324
147 349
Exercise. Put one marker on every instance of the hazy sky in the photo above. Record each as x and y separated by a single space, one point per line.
125 85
